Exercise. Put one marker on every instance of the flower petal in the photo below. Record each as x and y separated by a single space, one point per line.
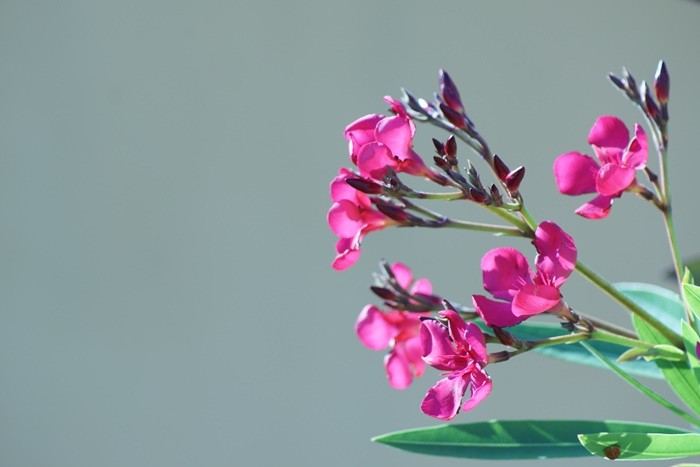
403 274
345 219
443 400
348 250
422 287
504 271
597 208
373 330
557 253
637 153
438 350
480 388
614 179
397 134
476 343
575 173
609 132
361 132
373 159
495 313
398 370
534 299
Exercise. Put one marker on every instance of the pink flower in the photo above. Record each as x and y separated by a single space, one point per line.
459 349
525 293
351 217
398 330
620 157
377 142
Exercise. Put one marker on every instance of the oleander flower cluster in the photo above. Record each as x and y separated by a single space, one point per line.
524 308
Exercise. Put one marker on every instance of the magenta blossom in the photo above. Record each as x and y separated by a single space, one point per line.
377 142
398 330
458 349
351 217
619 157
525 293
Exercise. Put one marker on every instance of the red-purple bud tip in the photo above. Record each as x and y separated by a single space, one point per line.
697 350
364 185
477 196
440 162
451 146
455 118
514 178
500 168
449 92
396 213
383 293
662 83
439 147
649 104
504 337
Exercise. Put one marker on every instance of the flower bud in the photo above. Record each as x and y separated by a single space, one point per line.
632 90
649 105
364 185
383 293
514 178
455 118
439 147
500 168
662 83
451 146
504 337
477 195
394 212
449 92
496 195
617 82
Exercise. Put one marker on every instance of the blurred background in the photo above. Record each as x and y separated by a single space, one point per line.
166 291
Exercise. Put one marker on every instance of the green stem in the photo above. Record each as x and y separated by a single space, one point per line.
605 336
435 196
477 226
623 300
511 219
528 217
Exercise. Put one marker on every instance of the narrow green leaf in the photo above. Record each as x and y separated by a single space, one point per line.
692 297
665 305
510 439
641 388
678 374
691 340
641 446
575 353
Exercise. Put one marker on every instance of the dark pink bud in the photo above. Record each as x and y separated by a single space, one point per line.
455 118
449 92
500 168
504 337
514 178
440 162
662 83
383 293
617 82
451 146
439 147
697 350
364 185
477 195
496 195
396 213
648 101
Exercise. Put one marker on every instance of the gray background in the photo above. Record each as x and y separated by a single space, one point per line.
166 296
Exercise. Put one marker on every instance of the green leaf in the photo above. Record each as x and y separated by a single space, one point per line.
691 340
692 297
641 446
641 388
678 374
575 353
510 439
665 305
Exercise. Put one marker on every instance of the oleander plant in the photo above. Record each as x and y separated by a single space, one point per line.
416 329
